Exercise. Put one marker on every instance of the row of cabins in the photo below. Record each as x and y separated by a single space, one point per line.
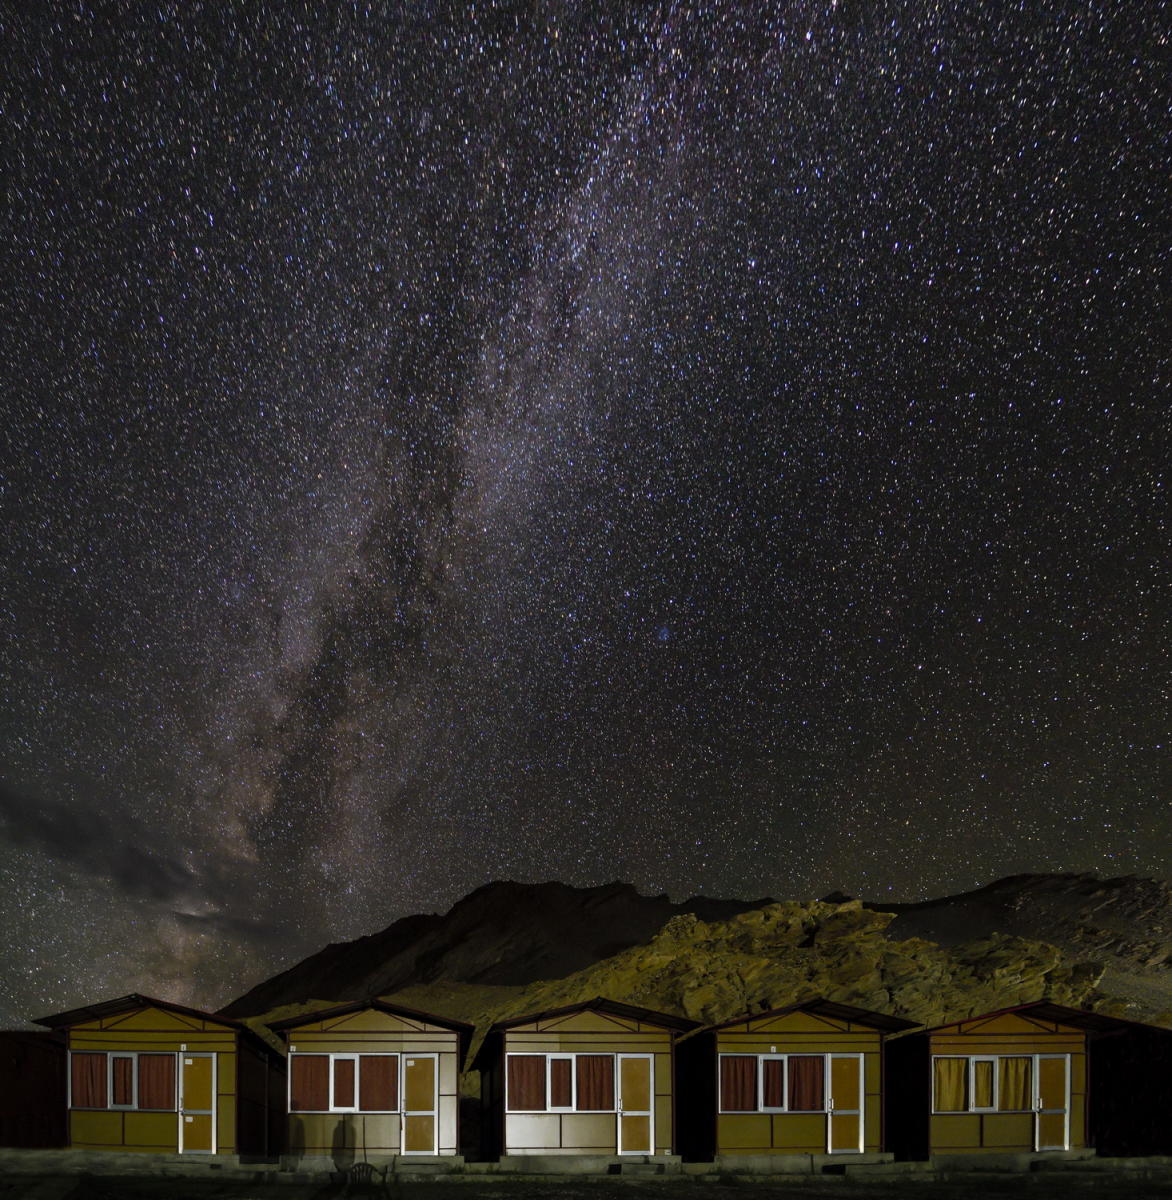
603 1078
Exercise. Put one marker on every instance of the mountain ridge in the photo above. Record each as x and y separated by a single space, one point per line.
510 947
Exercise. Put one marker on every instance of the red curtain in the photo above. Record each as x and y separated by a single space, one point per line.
88 1072
807 1090
561 1088
309 1083
595 1082
773 1083
156 1081
738 1082
343 1083
122 1078
526 1082
378 1082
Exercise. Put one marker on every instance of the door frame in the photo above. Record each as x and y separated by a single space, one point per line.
213 1113
649 1113
860 1112
1038 1110
433 1112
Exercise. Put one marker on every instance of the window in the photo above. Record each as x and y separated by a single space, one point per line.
772 1083
343 1083
982 1083
559 1083
122 1079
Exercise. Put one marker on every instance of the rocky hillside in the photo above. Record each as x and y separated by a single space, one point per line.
712 965
502 934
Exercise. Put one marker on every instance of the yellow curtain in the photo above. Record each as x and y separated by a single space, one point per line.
1016 1093
950 1081
982 1083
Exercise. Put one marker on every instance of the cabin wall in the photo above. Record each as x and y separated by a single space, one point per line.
33 1089
798 1132
998 1132
590 1032
146 1031
374 1032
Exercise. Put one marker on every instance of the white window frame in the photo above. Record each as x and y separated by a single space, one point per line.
761 1061
972 1081
549 1105
760 1097
110 1106
334 1060
111 1056
332 1055
573 1056
970 1072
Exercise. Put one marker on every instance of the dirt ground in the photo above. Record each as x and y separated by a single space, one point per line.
1042 1186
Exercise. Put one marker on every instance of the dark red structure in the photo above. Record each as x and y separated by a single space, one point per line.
32 1089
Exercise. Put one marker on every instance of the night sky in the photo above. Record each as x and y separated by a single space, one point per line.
711 445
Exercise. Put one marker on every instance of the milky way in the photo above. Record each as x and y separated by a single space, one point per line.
715 446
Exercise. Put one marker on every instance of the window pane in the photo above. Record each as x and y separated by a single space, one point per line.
156 1081
122 1079
950 1090
309 1083
982 1083
807 1083
526 1083
343 1083
595 1082
738 1082
773 1083
1016 1092
378 1082
561 1087
89 1080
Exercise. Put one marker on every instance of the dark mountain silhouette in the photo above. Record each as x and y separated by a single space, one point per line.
503 933
1105 942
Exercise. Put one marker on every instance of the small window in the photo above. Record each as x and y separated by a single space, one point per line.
773 1084
87 1076
949 1085
378 1082
156 1082
561 1082
595 1078
309 1083
345 1081
526 1083
807 1083
121 1080
1015 1077
738 1083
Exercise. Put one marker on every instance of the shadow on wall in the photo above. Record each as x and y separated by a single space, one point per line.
343 1145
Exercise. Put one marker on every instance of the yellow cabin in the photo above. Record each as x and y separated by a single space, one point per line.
590 1079
373 1079
804 1079
1010 1081
148 1075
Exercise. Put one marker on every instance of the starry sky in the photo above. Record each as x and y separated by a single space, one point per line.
715 445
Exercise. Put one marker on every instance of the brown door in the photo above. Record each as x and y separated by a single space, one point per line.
844 1104
420 1104
636 1096
1052 1104
197 1103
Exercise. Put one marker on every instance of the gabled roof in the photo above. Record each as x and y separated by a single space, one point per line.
125 1004
1047 1010
600 1004
826 1008
134 1001
462 1028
